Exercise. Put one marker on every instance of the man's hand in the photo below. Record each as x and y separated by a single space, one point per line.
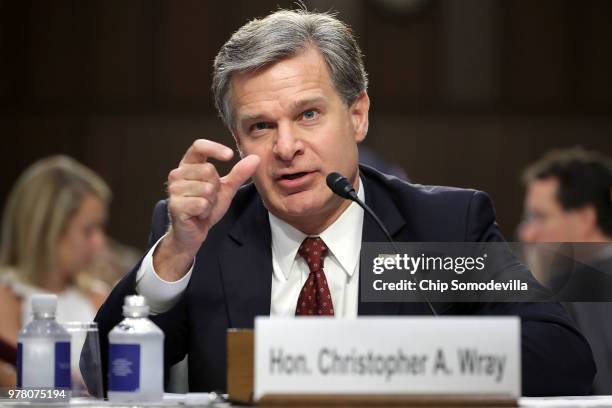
198 200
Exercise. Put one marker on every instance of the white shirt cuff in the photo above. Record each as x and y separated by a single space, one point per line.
161 295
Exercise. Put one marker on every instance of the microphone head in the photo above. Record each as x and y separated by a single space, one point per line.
340 185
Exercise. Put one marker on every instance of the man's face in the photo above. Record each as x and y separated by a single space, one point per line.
291 116
546 220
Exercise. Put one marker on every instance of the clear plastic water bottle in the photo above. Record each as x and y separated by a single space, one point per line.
43 348
136 356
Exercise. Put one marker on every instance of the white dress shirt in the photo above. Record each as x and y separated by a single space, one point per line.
290 271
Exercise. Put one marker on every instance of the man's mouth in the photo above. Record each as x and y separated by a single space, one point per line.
296 182
293 176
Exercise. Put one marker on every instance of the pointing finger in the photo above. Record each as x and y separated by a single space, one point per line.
203 149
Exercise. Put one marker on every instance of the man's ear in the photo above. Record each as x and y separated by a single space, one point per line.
586 219
359 111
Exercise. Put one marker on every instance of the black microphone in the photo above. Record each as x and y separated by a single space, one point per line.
343 188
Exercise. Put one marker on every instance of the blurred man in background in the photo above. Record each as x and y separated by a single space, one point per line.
569 199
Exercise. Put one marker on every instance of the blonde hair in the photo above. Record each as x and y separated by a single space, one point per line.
38 210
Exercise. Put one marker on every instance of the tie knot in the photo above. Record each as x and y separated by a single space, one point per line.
313 250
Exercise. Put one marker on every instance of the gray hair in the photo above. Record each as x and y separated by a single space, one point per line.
284 34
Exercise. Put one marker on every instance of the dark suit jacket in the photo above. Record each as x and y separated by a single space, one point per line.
232 279
593 318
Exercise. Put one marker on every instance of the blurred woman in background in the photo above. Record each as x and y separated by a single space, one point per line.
52 229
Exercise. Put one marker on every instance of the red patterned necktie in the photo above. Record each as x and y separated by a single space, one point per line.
314 299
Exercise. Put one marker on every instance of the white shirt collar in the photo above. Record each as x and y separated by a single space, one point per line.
343 238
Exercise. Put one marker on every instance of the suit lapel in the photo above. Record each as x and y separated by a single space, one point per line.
379 201
245 258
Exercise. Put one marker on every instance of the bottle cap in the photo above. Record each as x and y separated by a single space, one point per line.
135 306
44 305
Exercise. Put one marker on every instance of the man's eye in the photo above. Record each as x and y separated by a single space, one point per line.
259 126
535 217
310 114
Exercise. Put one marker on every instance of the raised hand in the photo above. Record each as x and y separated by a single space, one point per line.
198 199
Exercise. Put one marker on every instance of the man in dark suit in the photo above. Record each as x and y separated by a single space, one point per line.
292 89
569 200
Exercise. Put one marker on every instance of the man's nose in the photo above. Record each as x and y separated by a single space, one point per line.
287 144
527 232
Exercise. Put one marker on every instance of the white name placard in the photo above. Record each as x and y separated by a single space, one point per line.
388 355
